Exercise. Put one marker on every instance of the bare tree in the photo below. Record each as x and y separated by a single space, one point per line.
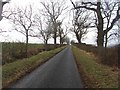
98 7
108 37
72 42
66 40
44 29
54 10
46 34
81 24
107 14
61 32
23 22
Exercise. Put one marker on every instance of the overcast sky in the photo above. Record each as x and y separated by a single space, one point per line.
6 25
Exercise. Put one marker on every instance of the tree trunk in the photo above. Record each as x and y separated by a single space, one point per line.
55 35
55 38
78 38
100 37
45 46
46 42
60 39
26 49
106 40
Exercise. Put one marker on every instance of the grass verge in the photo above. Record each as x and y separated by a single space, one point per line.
12 51
13 71
94 75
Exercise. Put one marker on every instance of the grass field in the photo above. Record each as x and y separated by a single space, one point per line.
95 75
13 71
14 51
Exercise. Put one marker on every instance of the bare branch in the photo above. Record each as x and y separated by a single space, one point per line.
114 21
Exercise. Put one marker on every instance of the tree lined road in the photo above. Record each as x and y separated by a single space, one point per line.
59 72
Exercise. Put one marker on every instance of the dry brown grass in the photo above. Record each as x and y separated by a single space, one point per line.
109 56
95 75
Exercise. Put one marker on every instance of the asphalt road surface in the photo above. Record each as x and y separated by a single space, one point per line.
59 72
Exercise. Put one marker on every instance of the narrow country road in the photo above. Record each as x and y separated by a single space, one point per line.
59 72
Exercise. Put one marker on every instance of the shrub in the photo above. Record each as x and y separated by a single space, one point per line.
14 51
109 56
